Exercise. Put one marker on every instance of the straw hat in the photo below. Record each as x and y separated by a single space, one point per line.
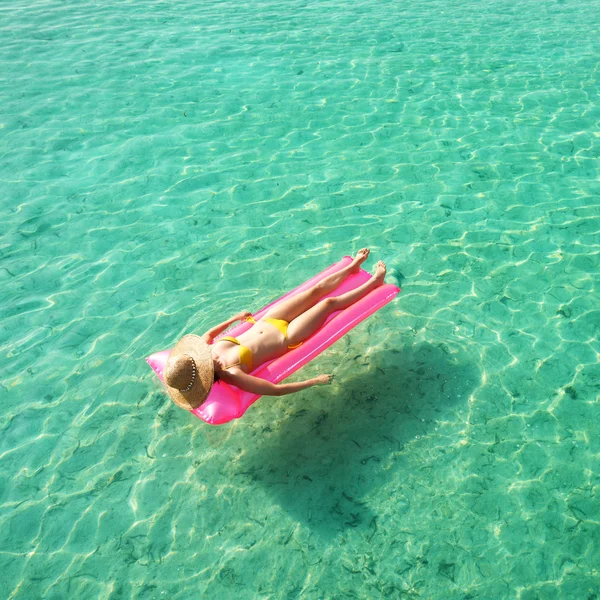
189 372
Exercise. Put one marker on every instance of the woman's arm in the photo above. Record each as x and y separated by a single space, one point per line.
211 334
256 385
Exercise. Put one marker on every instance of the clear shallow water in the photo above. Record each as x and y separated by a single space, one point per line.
165 163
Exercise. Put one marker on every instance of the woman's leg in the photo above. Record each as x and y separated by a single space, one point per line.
289 309
313 319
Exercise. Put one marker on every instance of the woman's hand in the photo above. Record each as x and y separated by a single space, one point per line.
324 379
211 334
242 316
256 385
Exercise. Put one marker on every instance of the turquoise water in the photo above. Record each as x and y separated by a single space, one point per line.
165 164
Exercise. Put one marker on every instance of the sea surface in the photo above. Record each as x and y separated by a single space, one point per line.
166 164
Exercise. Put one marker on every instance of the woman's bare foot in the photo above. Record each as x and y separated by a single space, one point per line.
360 258
380 272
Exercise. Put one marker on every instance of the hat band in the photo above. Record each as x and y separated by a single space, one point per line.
191 385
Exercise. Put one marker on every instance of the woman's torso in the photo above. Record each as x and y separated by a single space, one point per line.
264 341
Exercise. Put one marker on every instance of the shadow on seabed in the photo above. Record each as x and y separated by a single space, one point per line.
321 460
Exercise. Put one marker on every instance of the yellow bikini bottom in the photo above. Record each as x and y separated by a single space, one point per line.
279 324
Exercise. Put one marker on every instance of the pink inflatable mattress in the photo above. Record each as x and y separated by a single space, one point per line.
226 402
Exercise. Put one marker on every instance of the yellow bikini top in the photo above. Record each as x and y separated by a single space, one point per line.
245 353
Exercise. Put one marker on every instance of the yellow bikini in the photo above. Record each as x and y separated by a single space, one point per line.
245 352
282 326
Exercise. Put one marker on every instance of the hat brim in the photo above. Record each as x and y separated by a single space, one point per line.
199 350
